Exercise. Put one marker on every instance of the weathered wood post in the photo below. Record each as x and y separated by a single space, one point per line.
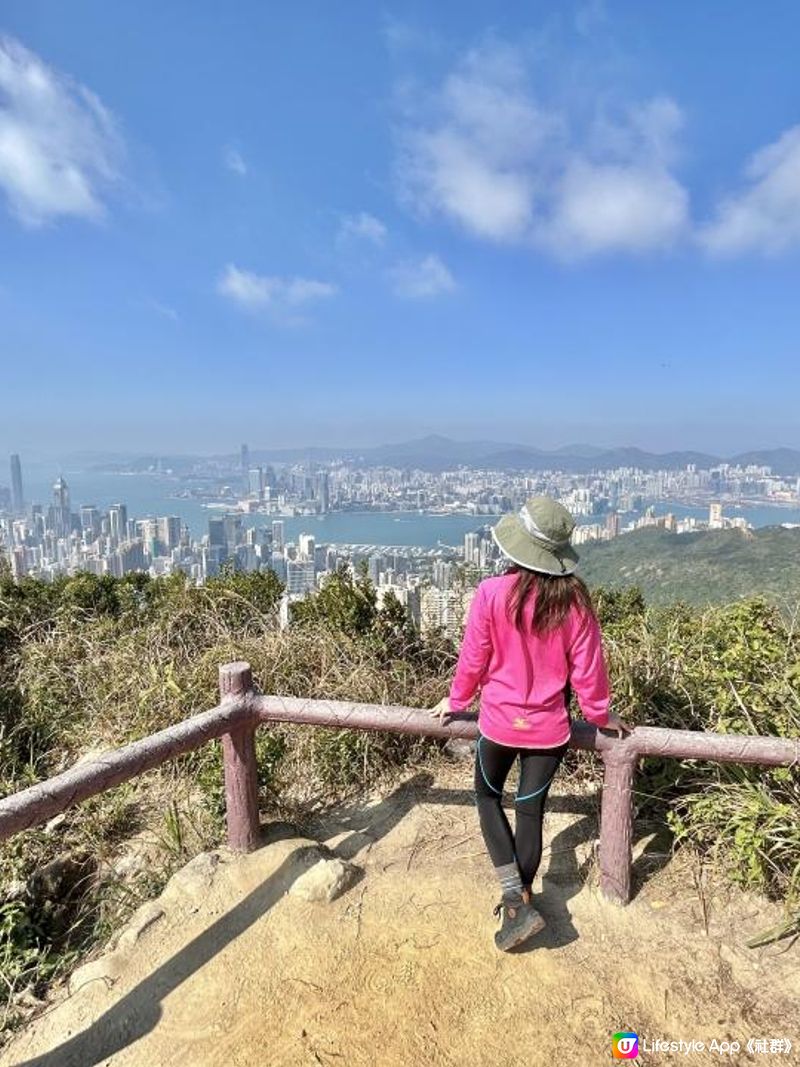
239 756
616 821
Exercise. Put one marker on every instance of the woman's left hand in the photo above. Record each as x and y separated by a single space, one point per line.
442 710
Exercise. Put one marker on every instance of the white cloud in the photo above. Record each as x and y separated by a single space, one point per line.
616 193
258 292
765 215
363 226
234 161
59 146
605 207
422 278
469 158
484 153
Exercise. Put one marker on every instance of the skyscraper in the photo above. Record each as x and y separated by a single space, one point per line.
256 482
471 547
61 519
61 494
169 531
90 521
306 546
17 498
216 533
118 523
612 524
323 492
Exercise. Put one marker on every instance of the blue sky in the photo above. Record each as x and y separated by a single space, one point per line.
345 223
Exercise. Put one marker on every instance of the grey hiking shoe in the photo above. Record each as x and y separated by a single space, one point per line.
520 921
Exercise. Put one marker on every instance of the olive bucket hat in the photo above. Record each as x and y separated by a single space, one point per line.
538 536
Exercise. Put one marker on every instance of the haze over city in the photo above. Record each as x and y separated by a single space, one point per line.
346 226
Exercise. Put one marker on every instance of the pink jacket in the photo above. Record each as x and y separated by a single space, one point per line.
522 677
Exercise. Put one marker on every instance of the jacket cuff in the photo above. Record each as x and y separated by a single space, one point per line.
599 718
459 705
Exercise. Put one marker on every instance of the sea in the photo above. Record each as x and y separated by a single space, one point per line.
153 494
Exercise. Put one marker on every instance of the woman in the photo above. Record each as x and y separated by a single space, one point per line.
531 637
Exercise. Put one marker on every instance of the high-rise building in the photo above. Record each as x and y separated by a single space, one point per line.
471 548
375 564
60 518
90 522
445 609
61 494
299 577
715 515
278 535
17 496
118 523
169 532
131 556
323 491
148 530
255 482
216 533
442 574
612 524
306 546
233 532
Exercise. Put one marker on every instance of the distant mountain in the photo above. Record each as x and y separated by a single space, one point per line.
433 450
707 567
435 453
587 451
783 461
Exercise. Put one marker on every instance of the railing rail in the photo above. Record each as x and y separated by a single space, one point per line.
241 711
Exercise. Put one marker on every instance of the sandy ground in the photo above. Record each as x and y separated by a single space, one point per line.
227 969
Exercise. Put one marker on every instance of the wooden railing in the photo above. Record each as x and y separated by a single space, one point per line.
241 710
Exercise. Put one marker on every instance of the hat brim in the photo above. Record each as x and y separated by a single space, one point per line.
514 541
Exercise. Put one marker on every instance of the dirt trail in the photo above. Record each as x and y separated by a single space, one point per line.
227 969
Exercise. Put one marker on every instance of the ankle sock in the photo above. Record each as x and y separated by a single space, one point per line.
510 881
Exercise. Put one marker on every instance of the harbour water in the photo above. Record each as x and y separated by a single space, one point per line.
154 495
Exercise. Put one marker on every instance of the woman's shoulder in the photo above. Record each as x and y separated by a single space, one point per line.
579 616
493 585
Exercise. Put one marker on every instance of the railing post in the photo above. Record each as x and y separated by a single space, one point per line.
239 757
616 820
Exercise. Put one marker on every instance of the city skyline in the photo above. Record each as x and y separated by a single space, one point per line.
67 537
345 225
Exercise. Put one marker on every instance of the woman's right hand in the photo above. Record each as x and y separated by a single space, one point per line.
617 724
442 711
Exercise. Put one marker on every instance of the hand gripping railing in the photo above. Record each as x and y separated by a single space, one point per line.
241 711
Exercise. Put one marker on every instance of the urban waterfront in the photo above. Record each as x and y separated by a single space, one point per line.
153 494
412 529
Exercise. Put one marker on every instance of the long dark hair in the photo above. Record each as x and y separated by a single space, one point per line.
555 595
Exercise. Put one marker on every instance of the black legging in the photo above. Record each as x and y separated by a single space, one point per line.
537 768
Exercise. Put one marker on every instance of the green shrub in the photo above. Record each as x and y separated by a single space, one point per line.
90 663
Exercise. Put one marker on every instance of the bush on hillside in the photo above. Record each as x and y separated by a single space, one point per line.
90 662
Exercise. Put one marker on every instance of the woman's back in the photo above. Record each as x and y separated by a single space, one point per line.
523 675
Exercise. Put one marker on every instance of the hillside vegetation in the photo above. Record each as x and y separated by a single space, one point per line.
87 663
707 567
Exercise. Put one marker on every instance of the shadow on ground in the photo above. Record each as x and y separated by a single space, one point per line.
139 1011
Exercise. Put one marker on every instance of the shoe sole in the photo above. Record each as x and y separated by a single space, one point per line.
537 923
